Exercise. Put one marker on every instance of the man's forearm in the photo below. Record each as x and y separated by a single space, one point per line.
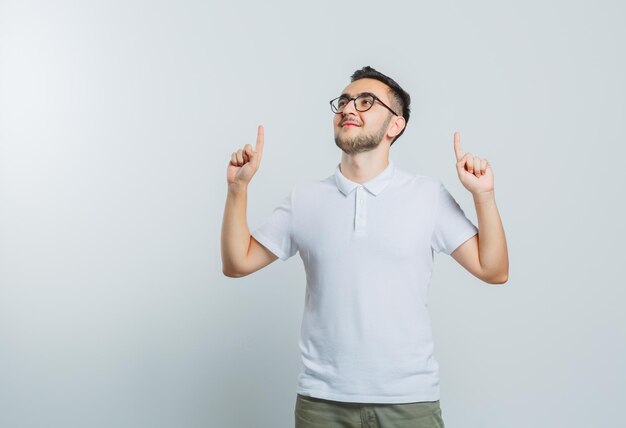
492 249
235 232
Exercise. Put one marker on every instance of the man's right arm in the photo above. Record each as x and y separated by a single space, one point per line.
241 253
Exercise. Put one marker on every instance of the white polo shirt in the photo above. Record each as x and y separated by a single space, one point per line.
368 255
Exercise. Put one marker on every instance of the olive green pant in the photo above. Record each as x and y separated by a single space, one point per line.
314 412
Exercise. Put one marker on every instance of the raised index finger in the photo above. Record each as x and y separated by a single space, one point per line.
259 140
457 146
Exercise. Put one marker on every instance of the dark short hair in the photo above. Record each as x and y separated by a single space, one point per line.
399 95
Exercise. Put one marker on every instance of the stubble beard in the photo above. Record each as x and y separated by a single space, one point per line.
362 143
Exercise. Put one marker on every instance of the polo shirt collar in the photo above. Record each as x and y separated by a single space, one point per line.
375 186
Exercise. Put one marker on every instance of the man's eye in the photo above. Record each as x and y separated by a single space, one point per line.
366 102
342 102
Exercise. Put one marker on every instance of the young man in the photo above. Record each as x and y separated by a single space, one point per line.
367 236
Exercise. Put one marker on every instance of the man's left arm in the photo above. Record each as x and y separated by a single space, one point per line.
485 255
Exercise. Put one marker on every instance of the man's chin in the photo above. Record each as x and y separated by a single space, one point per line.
351 147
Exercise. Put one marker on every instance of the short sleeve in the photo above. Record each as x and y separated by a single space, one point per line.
451 226
276 233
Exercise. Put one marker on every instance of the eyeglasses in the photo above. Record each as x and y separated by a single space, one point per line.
363 102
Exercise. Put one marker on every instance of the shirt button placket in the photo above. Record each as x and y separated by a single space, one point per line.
359 220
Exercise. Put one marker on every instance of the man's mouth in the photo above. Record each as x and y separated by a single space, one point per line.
346 124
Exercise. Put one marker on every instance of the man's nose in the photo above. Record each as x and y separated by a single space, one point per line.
349 108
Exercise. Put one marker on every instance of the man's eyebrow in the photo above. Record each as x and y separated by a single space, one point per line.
345 95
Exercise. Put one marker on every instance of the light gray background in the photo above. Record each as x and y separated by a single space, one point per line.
117 121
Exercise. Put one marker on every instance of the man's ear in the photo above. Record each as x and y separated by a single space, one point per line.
397 125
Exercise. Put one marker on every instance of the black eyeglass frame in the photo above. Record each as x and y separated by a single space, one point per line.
353 99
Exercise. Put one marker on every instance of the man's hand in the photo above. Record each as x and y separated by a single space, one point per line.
475 173
241 253
485 255
245 162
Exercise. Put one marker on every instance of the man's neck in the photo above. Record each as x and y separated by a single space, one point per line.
362 167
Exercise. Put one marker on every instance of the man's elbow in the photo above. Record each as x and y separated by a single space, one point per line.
497 280
232 273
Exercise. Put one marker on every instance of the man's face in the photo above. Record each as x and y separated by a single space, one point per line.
357 131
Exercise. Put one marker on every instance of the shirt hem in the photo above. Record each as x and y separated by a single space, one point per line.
359 398
462 238
265 241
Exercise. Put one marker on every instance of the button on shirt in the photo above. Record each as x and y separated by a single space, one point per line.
367 251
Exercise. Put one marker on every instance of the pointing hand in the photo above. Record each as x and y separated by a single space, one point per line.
245 162
475 173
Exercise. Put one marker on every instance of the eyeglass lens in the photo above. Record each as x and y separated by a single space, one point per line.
362 102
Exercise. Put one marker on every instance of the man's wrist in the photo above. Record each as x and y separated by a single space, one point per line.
484 197
237 188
